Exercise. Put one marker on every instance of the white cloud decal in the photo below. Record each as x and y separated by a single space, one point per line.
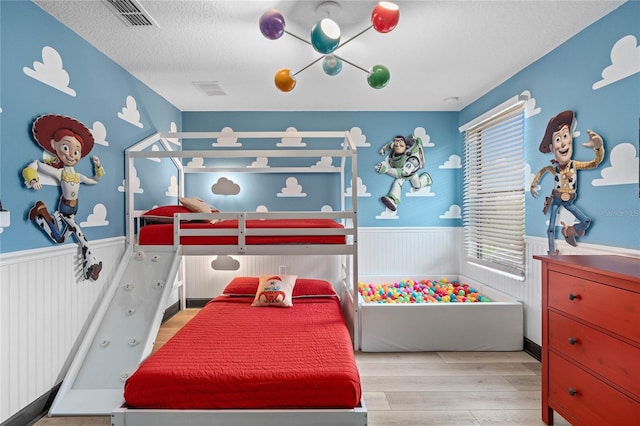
99 133
172 190
388 214
625 61
362 190
454 212
227 140
173 128
421 132
325 163
530 105
454 162
291 189
624 169
196 163
260 162
97 218
130 113
425 191
50 71
358 137
293 141
136 183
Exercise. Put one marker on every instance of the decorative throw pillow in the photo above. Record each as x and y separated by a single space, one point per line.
197 205
309 287
275 290
163 214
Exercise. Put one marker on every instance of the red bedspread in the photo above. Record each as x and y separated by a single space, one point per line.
232 355
162 233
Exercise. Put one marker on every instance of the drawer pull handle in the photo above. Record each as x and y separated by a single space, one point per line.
572 392
572 296
572 341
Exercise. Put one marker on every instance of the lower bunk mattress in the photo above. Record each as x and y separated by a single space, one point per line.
493 322
232 355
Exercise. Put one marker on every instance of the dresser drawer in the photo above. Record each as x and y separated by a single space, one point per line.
587 399
608 307
611 358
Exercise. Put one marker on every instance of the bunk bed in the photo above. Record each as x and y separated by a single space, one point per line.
316 381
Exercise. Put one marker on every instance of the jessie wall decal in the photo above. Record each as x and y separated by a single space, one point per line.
558 139
68 140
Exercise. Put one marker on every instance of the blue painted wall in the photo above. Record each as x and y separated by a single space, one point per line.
571 78
563 79
371 130
36 52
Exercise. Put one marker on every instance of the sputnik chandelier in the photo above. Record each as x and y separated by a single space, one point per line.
325 39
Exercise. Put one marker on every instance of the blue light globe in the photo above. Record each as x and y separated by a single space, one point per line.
325 36
331 65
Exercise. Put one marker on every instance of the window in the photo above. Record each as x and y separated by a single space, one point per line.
493 204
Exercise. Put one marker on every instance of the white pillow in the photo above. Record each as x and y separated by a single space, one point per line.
197 205
275 290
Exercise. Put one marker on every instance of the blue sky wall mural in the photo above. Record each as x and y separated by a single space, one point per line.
52 70
596 74
435 205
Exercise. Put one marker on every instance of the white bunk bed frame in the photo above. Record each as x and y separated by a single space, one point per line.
347 287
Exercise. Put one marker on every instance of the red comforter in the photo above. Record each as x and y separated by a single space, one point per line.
162 233
232 355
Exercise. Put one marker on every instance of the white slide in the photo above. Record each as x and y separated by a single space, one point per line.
121 334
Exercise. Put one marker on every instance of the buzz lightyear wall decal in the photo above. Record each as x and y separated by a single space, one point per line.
558 140
68 140
405 159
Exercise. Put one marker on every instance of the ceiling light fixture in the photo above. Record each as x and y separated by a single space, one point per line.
325 38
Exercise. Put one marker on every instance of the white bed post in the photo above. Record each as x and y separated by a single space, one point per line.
354 257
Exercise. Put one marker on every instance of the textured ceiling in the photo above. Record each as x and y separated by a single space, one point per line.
439 50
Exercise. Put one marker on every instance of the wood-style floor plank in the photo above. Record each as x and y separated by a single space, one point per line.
422 388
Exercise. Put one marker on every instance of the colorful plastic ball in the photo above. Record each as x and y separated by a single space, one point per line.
385 16
272 24
325 36
284 80
378 76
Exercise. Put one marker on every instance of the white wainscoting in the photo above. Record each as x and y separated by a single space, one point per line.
203 282
409 251
529 291
45 305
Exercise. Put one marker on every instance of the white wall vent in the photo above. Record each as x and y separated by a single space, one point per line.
210 88
131 13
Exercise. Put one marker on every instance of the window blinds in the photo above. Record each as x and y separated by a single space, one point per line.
493 202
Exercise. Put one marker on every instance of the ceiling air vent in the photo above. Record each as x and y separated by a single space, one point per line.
131 13
210 88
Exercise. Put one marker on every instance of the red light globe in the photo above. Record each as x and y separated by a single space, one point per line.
385 16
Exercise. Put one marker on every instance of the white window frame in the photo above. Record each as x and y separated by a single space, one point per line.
494 189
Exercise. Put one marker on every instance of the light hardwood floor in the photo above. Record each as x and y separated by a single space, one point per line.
419 389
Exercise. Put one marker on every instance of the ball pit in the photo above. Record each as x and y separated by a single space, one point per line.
420 291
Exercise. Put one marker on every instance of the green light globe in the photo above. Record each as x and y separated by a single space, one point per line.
378 76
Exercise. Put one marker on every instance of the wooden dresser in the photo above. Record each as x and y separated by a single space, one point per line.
591 339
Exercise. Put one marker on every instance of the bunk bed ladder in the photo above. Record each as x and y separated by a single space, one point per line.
121 333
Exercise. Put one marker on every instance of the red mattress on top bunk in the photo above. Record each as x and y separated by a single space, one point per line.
232 355
162 233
